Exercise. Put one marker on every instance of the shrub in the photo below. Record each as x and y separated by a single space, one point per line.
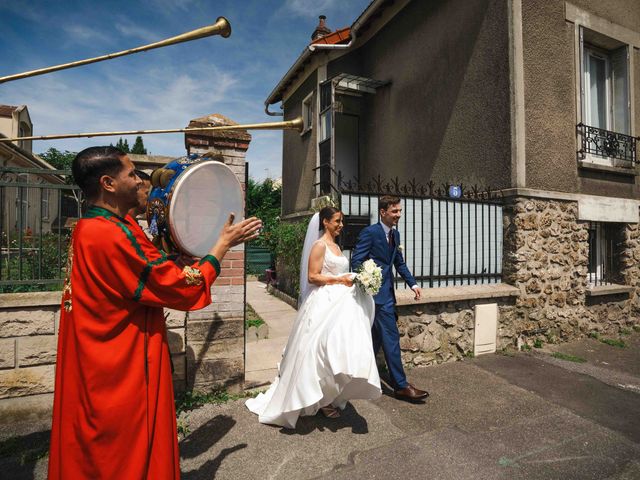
40 257
287 241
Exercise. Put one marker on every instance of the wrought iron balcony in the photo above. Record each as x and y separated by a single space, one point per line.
606 144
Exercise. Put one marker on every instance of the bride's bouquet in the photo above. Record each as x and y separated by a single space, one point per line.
369 277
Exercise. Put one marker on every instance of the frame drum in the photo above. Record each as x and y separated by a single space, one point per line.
190 202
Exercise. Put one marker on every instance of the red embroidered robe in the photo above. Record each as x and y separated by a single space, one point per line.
114 413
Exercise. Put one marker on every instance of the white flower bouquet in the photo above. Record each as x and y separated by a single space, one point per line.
369 277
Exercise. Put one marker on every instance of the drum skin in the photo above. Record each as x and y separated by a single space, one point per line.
190 200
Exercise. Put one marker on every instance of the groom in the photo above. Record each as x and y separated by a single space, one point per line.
380 242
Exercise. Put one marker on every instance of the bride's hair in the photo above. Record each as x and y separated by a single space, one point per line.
326 213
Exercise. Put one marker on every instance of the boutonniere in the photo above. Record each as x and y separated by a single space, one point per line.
401 248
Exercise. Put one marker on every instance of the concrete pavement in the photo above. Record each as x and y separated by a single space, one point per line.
516 416
494 417
262 356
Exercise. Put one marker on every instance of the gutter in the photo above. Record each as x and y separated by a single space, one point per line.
307 52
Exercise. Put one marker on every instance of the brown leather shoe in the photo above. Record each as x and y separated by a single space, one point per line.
411 394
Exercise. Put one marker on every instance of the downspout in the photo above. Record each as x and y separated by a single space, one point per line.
273 114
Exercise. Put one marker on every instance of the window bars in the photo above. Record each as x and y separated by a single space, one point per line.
607 144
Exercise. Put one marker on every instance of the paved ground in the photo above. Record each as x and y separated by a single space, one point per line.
262 356
526 416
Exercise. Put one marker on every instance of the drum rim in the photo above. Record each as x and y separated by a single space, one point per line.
181 177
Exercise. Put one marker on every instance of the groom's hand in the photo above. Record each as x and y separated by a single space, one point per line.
417 292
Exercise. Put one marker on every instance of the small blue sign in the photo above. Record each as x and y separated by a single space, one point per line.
455 191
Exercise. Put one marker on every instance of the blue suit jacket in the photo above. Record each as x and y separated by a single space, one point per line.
372 243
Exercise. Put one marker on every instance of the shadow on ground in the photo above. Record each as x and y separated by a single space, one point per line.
349 418
19 455
202 440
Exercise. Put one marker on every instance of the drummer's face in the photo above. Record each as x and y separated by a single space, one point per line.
128 182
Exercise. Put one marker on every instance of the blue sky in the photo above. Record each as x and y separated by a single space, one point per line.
162 88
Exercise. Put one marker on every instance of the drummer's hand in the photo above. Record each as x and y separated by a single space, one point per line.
233 235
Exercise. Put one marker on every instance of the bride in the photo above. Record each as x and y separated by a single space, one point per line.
329 357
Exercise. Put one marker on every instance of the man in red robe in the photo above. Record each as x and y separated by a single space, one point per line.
113 411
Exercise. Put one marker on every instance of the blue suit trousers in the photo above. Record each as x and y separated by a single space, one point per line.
386 335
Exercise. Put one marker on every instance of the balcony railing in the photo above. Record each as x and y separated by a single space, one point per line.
607 144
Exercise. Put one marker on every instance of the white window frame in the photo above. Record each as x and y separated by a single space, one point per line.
308 112
590 51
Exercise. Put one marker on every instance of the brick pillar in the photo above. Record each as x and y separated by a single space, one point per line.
215 334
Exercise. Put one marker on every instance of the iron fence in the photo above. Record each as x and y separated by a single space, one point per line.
607 144
451 235
38 208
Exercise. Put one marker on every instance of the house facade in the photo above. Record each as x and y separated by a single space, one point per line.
32 208
537 100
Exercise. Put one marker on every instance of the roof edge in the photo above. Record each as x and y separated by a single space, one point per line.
276 94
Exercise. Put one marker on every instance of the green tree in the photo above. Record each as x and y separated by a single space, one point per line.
138 147
57 159
263 201
123 145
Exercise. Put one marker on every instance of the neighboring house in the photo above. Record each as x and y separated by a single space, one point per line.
30 209
539 100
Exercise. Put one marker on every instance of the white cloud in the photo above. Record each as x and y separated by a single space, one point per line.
128 29
169 6
85 35
310 8
158 98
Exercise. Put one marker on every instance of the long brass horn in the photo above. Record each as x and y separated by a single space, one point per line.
221 27
295 124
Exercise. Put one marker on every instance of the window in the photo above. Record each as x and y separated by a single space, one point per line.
325 110
603 252
44 203
605 125
307 113
22 203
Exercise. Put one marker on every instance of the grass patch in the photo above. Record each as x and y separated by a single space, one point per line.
469 354
595 335
538 343
525 347
636 328
625 331
568 357
193 399
253 319
614 342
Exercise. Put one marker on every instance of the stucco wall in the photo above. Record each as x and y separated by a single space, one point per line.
299 155
550 93
445 114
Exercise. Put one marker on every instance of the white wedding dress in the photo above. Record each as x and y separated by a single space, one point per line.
329 355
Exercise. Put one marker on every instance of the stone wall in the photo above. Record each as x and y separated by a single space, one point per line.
437 332
28 342
546 251
545 257
440 327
